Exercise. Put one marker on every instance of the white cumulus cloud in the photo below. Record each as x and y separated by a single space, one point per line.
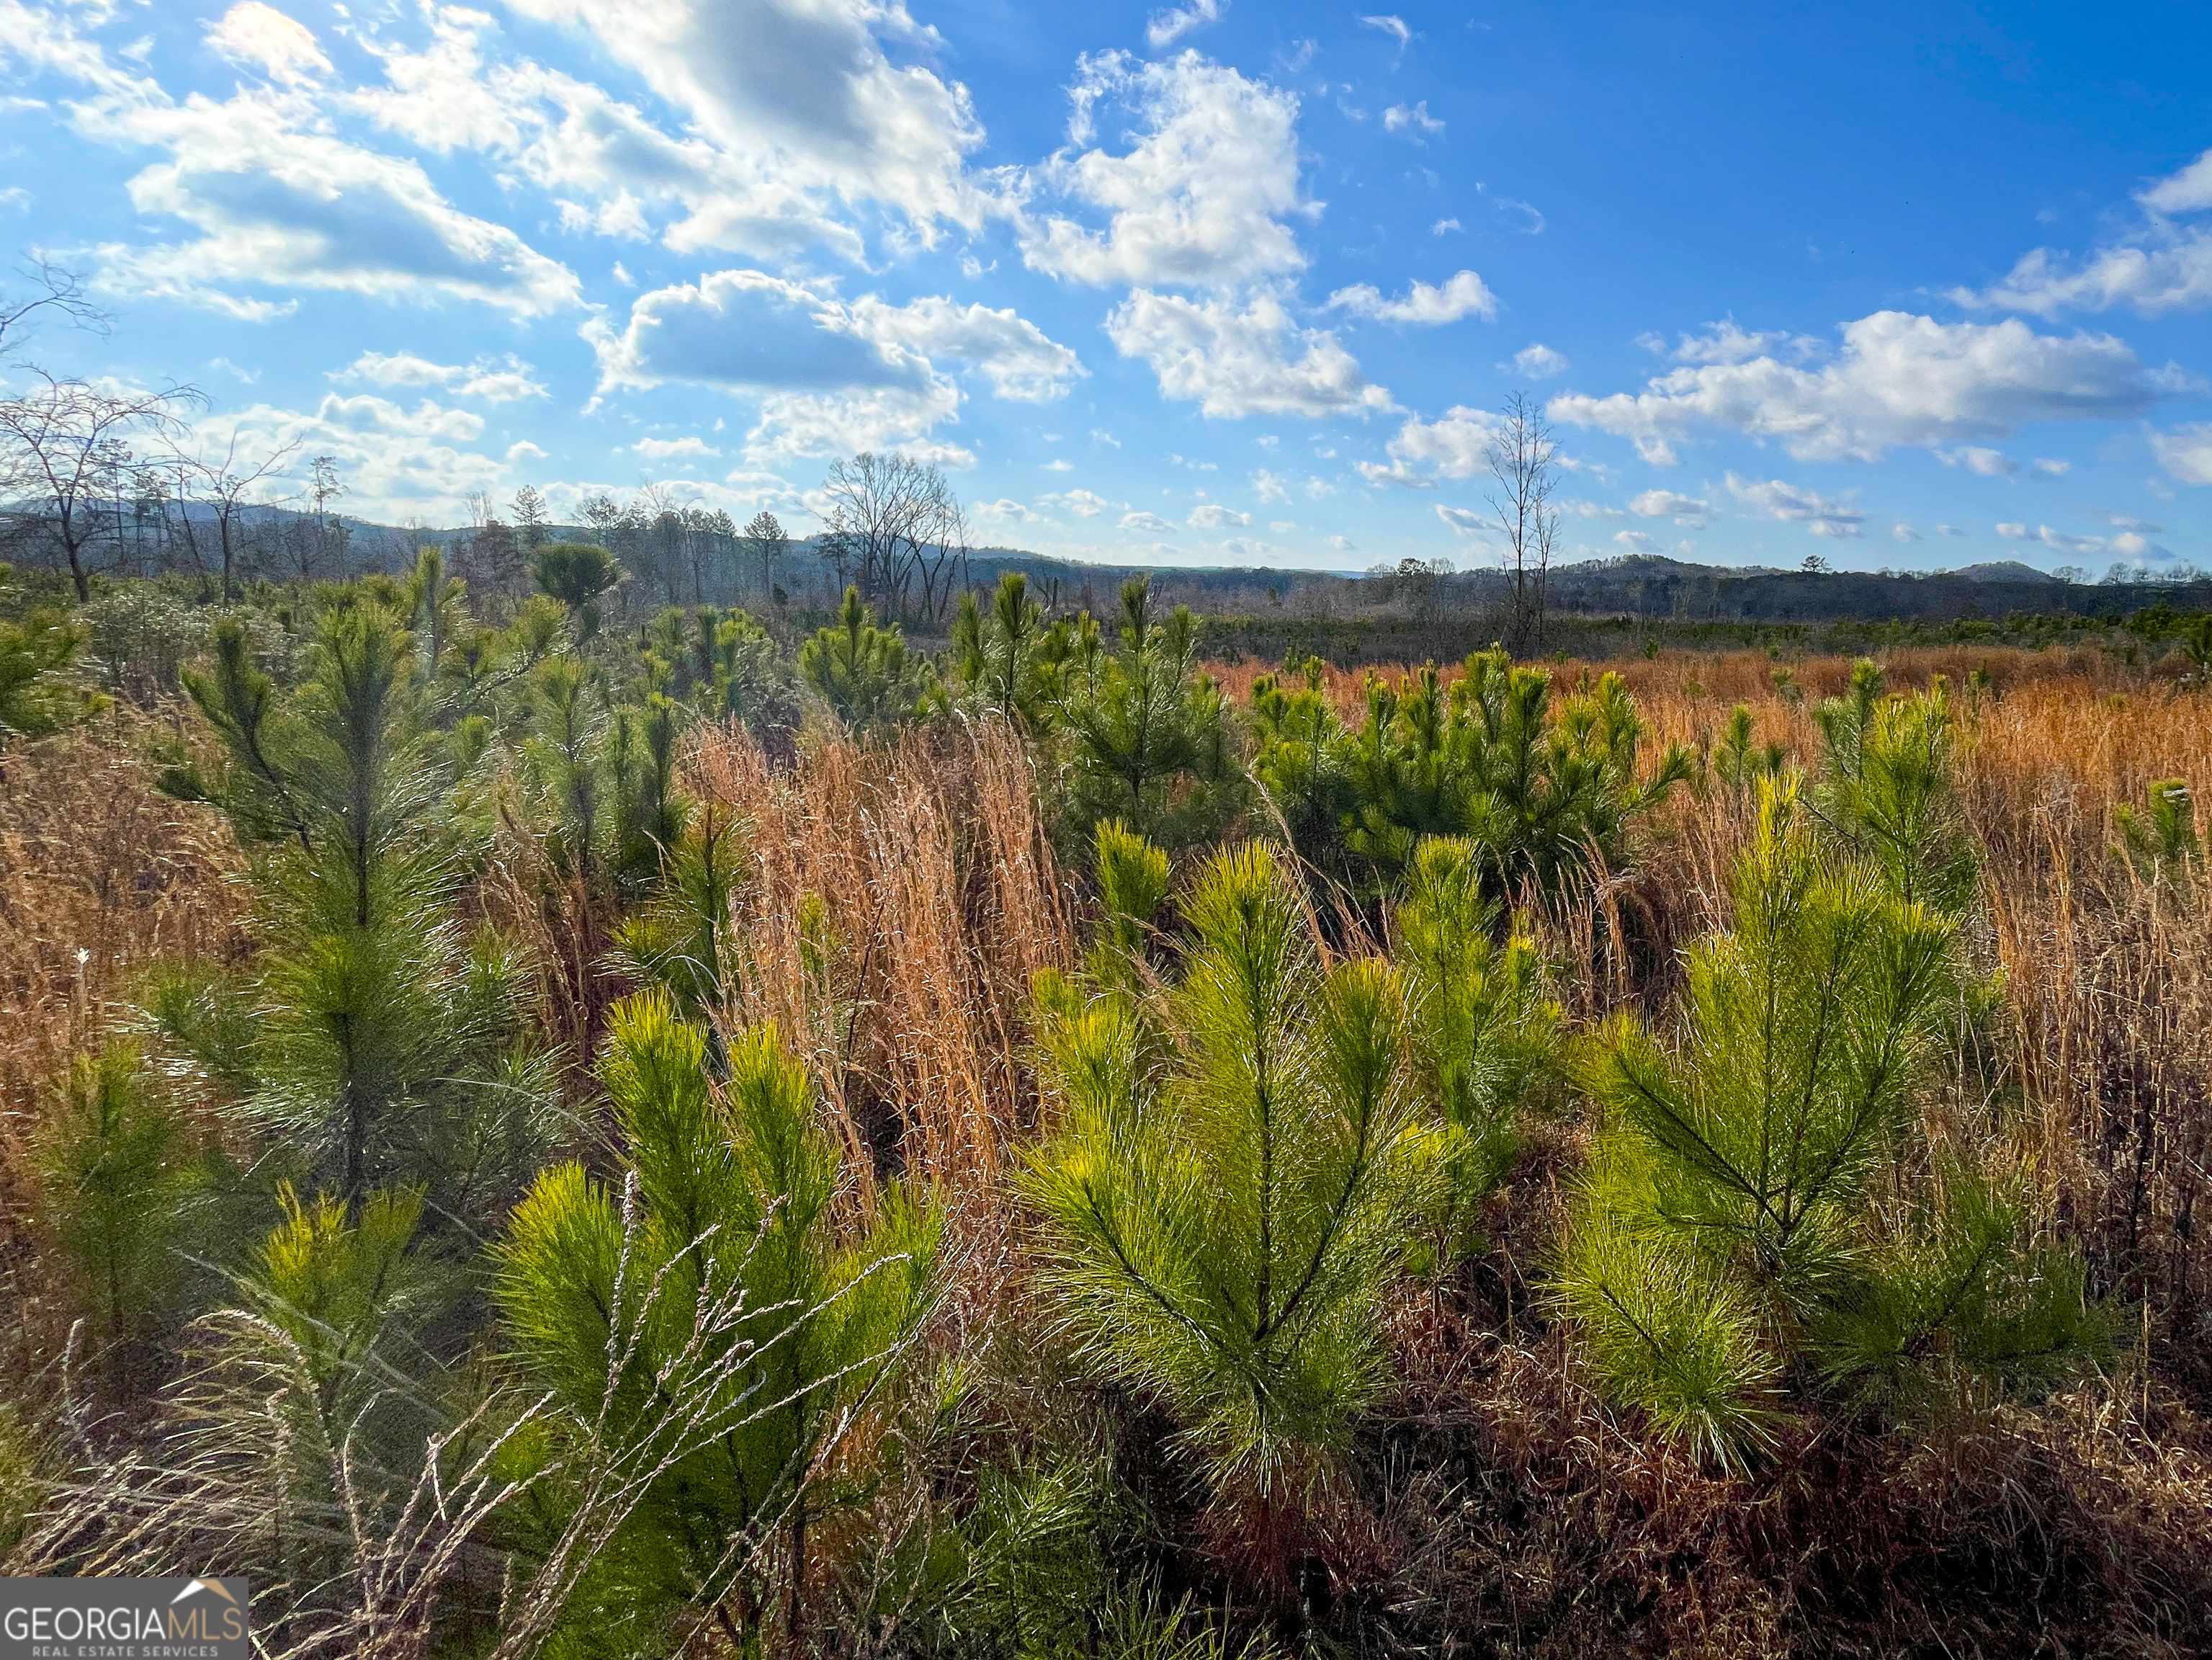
1233 360
1166 27
1413 121
2158 266
276 200
1017 357
1980 460
1668 504
502 382
691 447
1083 503
1461 294
1202 197
1538 361
2185 451
1773 499
829 97
1897 380
1455 446
2061 542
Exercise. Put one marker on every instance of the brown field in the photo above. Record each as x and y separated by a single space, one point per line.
1517 1503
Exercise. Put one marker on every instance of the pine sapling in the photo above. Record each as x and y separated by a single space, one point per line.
1301 763
682 937
581 575
1484 1029
111 1158
35 695
1151 742
1736 1241
2159 842
1010 659
862 671
389 1044
1541 788
1224 1209
1887 790
711 1328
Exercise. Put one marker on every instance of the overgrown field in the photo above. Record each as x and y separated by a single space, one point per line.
559 1132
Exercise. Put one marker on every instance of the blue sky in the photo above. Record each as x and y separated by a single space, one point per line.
1209 281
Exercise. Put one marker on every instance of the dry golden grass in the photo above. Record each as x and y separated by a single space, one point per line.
899 897
100 874
928 860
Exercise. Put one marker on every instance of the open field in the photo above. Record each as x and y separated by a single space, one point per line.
894 894
889 829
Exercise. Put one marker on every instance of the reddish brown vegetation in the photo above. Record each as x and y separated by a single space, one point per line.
898 901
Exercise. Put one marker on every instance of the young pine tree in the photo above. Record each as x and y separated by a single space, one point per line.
2159 842
1737 1240
707 1329
306 1414
862 672
682 937
600 801
1739 762
581 575
1484 1031
35 696
1302 764
350 1293
1538 789
735 672
1152 743
112 1160
1010 658
1887 790
390 1045
437 608
1237 1164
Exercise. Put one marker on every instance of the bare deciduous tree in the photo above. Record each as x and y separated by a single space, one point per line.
895 520
1523 457
64 447
229 477
942 561
52 290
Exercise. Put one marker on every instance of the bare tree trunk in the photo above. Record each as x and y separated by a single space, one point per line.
1523 456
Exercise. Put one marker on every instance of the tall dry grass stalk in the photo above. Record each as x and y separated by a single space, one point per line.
100 874
2109 984
901 897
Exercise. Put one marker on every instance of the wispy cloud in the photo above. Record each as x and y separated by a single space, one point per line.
1167 26
1395 27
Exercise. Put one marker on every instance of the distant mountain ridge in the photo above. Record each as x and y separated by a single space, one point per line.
1653 586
